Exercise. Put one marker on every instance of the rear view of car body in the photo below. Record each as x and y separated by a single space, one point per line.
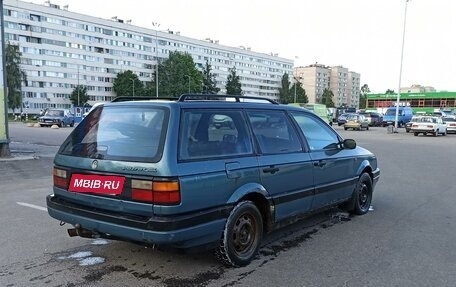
203 173
451 124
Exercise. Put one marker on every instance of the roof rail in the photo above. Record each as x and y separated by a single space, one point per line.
215 97
139 98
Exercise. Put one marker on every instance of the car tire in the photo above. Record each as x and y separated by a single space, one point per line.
72 124
415 134
345 128
362 196
241 236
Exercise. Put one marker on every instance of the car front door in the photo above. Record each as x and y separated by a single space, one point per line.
333 166
286 171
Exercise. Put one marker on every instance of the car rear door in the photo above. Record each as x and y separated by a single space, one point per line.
286 171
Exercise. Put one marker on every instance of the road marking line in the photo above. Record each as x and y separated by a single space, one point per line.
32 206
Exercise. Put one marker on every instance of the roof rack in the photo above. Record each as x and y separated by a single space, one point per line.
139 98
215 97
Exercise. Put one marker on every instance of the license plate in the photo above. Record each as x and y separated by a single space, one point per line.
101 184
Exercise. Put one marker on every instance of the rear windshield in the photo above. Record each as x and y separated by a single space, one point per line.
119 133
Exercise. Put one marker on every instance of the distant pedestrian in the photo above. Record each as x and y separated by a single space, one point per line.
22 116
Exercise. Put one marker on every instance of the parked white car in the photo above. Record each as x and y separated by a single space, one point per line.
451 124
429 125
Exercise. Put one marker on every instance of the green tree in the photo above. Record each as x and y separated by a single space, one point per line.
233 83
178 75
363 96
297 89
79 96
389 92
209 82
14 76
327 98
127 84
284 90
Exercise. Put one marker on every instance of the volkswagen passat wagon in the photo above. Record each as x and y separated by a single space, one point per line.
167 172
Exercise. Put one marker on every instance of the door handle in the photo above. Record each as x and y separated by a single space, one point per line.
320 163
271 170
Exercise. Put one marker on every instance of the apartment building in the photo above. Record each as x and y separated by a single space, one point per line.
314 79
344 84
62 49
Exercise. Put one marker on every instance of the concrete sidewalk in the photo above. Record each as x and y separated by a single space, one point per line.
28 151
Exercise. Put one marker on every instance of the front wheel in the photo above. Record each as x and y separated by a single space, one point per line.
242 235
362 196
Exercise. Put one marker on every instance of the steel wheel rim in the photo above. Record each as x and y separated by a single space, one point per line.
244 234
363 196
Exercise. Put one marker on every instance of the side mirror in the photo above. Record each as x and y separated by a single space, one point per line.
349 144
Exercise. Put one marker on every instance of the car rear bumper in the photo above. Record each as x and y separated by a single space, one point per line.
422 131
183 231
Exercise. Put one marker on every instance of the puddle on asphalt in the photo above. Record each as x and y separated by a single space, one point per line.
85 258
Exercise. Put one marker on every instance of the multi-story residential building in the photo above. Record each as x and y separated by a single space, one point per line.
62 49
353 89
344 84
315 79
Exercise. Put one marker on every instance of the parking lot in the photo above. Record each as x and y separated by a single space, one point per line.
405 240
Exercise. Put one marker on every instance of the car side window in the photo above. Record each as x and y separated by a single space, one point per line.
213 133
319 136
274 132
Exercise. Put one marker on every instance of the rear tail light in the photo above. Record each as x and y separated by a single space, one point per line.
156 192
60 178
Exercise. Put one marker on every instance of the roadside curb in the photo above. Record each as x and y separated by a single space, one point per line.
20 155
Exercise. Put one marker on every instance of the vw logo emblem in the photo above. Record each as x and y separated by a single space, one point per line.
94 164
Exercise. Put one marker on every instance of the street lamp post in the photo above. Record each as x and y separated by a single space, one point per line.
157 25
78 85
188 76
295 82
133 81
400 69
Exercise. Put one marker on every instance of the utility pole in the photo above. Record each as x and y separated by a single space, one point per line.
4 138
400 69
78 85
157 25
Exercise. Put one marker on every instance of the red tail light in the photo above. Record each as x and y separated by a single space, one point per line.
60 178
156 192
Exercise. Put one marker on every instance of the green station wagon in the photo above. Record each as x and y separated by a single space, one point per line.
215 171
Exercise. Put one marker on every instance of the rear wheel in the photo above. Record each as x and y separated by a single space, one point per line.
242 235
415 134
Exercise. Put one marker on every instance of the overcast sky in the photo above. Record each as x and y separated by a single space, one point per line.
362 35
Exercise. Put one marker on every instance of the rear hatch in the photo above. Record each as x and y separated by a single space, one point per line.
109 163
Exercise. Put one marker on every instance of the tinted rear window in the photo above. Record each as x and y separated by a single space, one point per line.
119 133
